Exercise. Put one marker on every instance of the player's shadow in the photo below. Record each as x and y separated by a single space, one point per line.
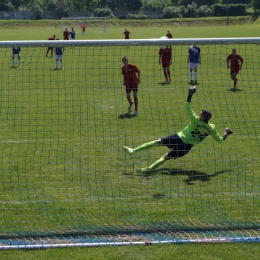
192 175
235 90
126 116
163 83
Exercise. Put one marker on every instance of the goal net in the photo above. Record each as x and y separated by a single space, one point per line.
66 179
93 24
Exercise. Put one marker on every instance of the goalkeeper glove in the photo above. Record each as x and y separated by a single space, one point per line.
227 133
192 90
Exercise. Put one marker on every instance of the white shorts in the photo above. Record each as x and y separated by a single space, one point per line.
58 57
16 55
193 65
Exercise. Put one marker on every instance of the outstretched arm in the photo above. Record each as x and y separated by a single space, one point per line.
227 133
192 90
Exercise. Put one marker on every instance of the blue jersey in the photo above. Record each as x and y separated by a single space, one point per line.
16 50
58 50
72 34
194 54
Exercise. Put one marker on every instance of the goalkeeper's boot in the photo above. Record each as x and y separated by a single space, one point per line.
129 150
143 170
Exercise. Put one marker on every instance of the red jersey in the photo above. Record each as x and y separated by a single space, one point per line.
130 78
234 60
66 35
169 35
126 33
83 27
165 55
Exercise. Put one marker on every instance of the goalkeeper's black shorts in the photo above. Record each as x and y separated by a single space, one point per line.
177 146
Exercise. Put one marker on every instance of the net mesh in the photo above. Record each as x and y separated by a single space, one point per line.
65 177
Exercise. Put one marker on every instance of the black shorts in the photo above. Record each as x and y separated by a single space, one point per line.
177 146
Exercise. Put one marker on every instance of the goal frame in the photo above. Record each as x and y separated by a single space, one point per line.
251 236
130 42
83 19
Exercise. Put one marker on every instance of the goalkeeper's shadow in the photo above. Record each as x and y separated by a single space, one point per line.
192 175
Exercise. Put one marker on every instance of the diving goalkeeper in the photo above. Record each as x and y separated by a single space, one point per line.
182 142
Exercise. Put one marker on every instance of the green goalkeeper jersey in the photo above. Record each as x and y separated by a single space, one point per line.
197 130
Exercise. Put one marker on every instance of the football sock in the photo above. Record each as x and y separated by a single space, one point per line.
146 146
61 64
136 103
56 64
13 62
130 101
165 75
196 75
157 163
191 76
19 62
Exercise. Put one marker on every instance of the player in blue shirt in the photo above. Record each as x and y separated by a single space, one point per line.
194 59
59 51
16 53
72 34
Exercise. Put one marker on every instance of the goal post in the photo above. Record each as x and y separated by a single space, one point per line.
66 179
93 24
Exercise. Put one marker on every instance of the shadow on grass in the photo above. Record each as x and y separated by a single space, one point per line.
192 175
235 89
163 83
126 116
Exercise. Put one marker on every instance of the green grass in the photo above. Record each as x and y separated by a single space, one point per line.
63 169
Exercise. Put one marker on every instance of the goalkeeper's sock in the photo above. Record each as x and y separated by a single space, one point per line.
157 164
146 146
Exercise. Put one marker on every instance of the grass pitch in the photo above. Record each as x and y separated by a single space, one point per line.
63 165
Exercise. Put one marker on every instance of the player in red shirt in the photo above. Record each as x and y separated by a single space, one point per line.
50 48
83 27
169 35
234 62
126 33
131 82
165 58
66 34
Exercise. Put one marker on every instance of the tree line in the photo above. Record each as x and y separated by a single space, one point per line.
122 5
